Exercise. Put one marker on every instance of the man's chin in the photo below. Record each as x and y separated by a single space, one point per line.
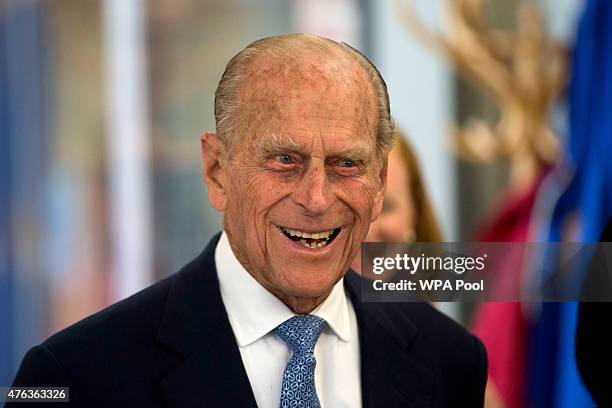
304 302
308 287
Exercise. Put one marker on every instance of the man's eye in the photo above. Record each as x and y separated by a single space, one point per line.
347 163
284 159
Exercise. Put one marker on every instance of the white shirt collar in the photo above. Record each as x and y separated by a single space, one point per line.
254 312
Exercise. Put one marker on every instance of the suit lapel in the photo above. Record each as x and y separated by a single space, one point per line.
390 375
195 325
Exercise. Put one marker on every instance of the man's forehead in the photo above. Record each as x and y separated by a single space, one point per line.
306 67
309 73
275 91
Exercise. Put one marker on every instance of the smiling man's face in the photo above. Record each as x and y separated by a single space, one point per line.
302 184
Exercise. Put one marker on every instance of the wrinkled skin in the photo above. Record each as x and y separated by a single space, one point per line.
396 222
305 159
397 219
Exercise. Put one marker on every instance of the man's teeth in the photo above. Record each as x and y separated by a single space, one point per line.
310 240
316 235
313 244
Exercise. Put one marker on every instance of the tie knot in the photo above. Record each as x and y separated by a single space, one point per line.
301 332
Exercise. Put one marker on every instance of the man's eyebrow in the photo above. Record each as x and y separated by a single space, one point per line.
274 144
355 153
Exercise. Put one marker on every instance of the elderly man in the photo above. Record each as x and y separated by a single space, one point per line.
265 316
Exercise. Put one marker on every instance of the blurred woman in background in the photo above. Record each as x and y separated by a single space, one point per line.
407 215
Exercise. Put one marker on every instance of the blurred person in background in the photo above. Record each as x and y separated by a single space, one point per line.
589 196
407 214
298 167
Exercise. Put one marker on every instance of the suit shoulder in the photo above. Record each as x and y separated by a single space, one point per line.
452 342
436 331
458 356
433 323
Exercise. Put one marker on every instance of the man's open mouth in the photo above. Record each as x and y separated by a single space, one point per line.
311 240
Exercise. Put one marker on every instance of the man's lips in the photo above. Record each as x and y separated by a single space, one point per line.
314 239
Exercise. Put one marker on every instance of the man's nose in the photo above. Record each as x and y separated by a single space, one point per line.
314 191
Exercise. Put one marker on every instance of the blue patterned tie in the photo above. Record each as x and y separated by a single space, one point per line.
301 334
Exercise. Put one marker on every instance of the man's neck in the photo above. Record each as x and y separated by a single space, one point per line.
301 305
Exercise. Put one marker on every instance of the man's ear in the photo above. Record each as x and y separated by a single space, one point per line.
380 194
213 157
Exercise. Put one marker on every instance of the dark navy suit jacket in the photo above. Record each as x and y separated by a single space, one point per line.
171 345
